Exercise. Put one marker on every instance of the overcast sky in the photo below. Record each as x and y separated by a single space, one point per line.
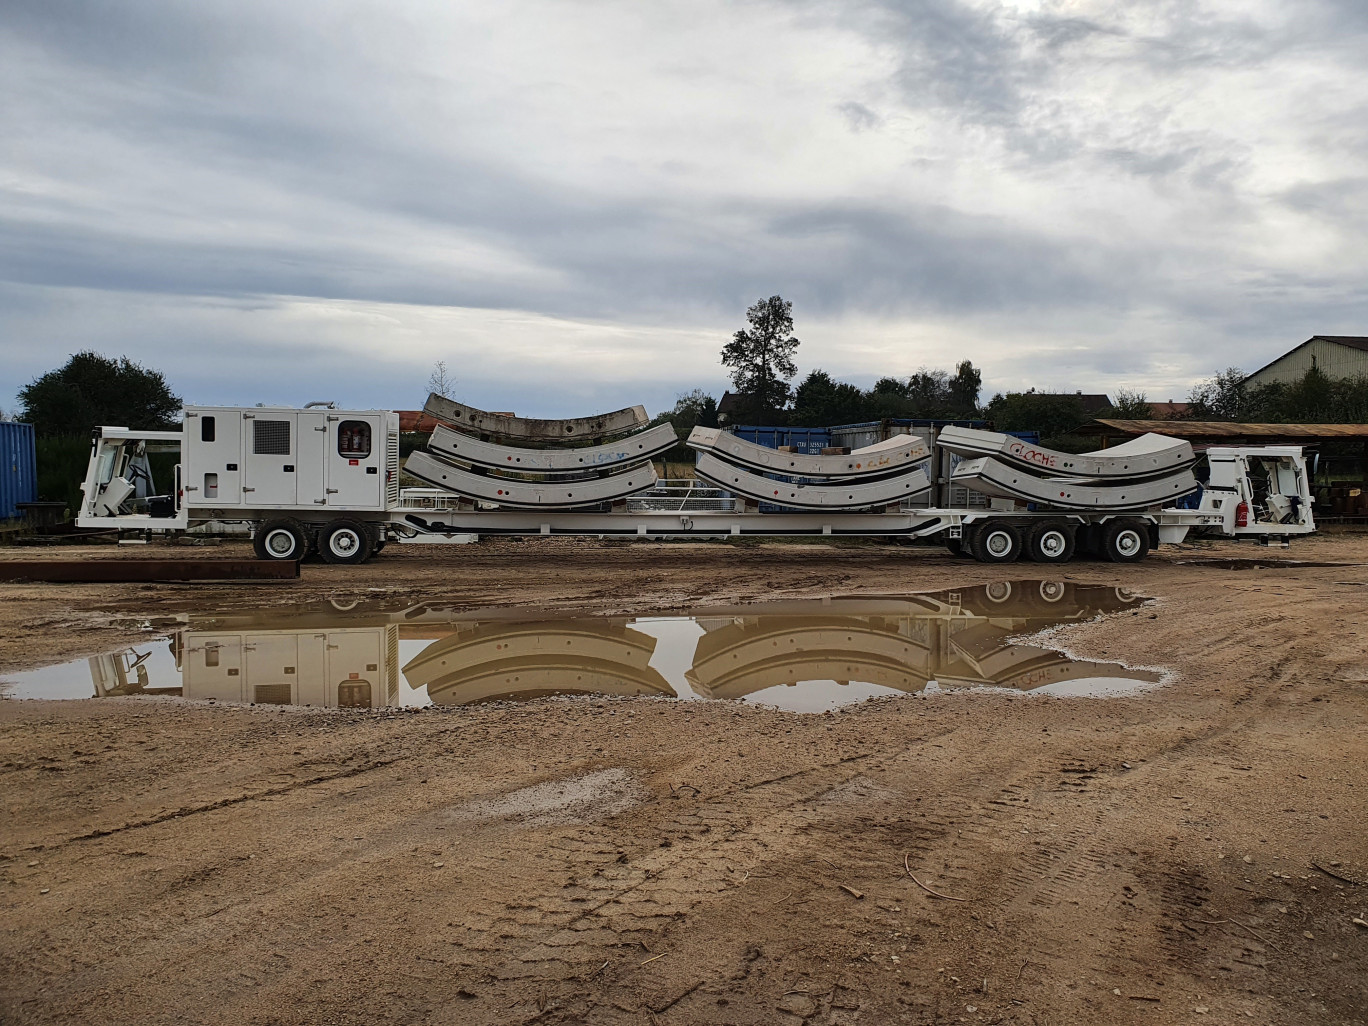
574 203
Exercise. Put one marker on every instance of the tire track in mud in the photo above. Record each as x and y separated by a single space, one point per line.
611 903
222 803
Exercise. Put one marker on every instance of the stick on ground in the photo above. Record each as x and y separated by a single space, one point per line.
928 890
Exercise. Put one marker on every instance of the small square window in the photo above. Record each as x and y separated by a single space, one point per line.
206 429
354 439
211 655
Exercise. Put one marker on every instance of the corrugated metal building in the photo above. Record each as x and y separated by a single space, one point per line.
1335 356
18 467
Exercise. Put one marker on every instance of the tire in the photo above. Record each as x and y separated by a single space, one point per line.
281 539
1052 591
955 546
1125 541
345 541
998 592
1051 541
997 542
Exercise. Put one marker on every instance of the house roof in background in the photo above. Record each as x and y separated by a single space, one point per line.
1224 431
1351 341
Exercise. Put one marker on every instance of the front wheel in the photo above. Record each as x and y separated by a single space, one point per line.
1125 541
281 539
345 541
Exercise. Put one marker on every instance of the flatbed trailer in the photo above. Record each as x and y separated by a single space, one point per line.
331 478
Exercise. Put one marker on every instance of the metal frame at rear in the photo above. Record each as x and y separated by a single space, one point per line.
882 458
641 446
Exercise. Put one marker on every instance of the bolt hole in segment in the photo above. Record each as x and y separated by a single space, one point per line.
800 655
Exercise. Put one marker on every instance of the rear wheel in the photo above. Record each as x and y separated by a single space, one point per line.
1050 542
1125 541
281 539
997 542
345 541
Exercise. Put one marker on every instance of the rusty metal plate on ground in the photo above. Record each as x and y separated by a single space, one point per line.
128 570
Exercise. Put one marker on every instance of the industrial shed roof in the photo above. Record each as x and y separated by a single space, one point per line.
1225 431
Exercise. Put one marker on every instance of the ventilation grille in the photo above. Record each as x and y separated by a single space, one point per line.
271 437
392 472
271 694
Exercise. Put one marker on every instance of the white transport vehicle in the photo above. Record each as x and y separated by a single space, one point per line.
324 480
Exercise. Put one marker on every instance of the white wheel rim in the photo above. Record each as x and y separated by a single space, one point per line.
1051 591
1128 542
998 543
280 543
999 591
344 542
1053 544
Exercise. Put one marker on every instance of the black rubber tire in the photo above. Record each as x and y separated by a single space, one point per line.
1050 541
280 539
1125 540
997 542
345 542
955 546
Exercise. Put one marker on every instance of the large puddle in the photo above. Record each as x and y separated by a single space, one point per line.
801 656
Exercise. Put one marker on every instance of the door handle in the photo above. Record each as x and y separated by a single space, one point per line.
330 491
246 489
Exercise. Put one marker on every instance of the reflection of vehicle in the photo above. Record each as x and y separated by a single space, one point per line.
346 668
483 662
957 638
327 480
124 673
330 658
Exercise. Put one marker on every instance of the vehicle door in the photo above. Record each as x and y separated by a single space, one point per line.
272 665
212 471
212 667
270 461
356 462
354 658
312 468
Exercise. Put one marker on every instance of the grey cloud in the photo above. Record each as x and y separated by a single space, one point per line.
290 160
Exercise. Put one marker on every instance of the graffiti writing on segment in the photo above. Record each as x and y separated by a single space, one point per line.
1043 458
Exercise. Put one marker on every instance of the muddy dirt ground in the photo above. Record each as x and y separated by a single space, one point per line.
1197 854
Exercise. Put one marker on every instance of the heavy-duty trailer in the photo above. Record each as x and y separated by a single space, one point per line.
319 479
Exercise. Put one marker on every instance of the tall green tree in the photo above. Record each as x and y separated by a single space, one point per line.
1053 414
761 357
1132 405
90 390
1221 397
821 401
962 391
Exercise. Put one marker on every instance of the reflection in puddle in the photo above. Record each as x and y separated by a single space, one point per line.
805 656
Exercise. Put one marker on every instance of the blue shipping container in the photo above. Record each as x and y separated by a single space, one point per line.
18 467
811 440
